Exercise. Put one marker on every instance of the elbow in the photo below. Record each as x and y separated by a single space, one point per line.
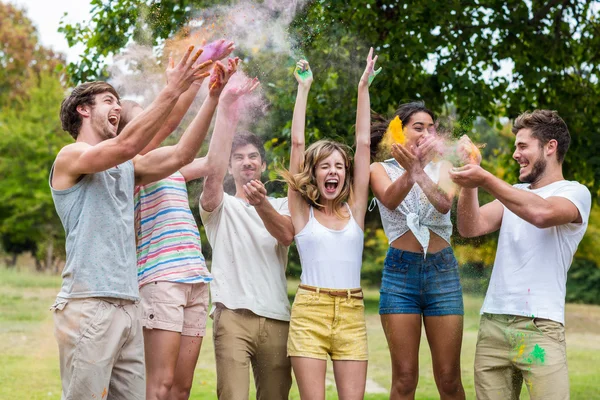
298 143
464 231
364 141
444 208
287 240
390 205
541 220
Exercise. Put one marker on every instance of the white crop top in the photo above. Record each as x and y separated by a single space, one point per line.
415 213
330 258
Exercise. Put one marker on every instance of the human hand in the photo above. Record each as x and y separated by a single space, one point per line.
370 73
256 193
469 176
216 51
428 149
407 158
232 94
303 74
220 76
181 76
467 151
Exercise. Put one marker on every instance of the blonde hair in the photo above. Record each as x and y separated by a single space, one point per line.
305 181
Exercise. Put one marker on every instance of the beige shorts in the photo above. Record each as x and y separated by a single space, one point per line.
243 339
322 324
101 348
512 350
177 307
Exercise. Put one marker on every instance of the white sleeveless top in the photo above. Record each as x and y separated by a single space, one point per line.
330 258
415 213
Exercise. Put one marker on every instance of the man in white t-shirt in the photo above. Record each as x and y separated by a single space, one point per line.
249 234
541 222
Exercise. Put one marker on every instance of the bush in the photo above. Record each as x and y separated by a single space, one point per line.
583 283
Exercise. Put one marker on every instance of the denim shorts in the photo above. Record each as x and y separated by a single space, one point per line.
414 285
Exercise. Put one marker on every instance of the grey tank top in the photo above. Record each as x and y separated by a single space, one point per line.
97 214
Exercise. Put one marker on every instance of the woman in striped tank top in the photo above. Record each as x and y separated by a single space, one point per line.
172 272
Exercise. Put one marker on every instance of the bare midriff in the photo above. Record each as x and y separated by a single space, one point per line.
409 242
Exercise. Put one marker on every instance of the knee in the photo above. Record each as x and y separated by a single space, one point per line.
160 389
404 381
180 393
449 382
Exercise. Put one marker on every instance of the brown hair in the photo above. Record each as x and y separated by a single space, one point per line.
545 125
127 107
304 181
83 94
244 138
380 123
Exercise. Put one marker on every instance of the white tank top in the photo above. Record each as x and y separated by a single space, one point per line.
330 258
415 213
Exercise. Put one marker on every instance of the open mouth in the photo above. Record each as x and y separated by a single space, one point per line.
523 164
113 120
331 185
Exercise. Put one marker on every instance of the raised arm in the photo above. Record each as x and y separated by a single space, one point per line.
297 205
203 166
214 51
220 145
363 143
164 161
79 159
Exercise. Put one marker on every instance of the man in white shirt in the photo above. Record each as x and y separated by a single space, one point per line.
541 222
249 234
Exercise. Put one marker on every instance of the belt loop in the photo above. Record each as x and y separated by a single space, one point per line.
318 292
349 295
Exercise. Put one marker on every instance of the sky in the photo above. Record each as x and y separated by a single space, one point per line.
46 16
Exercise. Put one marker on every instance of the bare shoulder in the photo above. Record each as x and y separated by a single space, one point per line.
62 175
376 167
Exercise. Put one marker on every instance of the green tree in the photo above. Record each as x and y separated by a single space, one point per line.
443 52
22 58
30 138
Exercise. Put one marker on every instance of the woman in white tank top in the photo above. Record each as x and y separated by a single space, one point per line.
420 283
327 198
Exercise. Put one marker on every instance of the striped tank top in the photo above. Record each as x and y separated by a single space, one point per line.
168 241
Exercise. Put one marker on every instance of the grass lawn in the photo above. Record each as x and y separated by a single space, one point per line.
29 367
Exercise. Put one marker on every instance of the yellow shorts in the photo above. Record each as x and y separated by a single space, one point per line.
323 324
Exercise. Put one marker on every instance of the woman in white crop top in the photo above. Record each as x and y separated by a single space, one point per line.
420 281
327 198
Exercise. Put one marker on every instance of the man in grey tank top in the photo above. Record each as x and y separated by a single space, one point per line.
97 325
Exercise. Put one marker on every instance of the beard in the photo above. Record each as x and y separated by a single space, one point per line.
539 167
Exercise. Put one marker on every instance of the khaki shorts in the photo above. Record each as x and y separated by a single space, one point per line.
243 339
177 307
512 349
322 324
101 348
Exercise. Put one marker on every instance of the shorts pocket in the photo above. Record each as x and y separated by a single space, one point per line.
446 276
395 274
551 329
93 313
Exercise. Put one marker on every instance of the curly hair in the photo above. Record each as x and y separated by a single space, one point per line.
83 94
305 181
545 125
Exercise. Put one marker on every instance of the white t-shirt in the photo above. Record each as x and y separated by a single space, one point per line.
530 271
248 264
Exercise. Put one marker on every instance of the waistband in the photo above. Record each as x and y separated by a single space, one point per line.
355 293
445 255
